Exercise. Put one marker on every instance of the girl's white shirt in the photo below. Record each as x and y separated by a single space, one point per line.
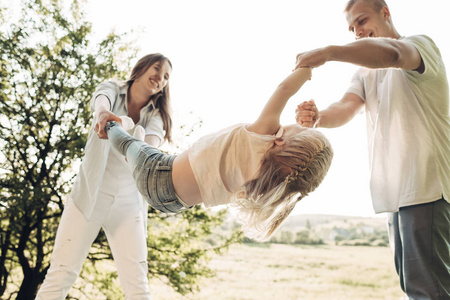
408 128
222 162
102 168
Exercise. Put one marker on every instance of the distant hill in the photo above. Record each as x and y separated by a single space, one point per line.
343 230
335 229
297 222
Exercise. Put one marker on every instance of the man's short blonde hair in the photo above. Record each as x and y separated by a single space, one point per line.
377 5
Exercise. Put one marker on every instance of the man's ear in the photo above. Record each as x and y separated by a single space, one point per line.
386 13
279 141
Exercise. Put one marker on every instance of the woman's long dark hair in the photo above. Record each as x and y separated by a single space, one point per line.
161 100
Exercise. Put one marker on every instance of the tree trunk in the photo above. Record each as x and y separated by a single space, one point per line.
29 287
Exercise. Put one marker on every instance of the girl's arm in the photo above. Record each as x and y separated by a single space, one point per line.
268 121
104 115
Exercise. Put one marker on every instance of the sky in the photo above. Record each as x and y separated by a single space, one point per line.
229 56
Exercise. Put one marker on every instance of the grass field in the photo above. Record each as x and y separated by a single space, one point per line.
284 272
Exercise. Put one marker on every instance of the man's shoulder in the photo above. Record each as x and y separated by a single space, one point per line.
421 39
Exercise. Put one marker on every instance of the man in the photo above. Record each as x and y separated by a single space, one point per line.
403 87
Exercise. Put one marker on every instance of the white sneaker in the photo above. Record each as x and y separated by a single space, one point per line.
139 133
127 123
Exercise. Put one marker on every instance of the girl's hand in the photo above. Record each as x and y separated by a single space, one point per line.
307 114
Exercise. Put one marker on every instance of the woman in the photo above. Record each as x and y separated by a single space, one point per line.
104 194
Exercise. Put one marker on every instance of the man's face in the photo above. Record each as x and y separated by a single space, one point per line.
365 21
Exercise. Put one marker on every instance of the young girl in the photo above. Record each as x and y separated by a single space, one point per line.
104 194
258 167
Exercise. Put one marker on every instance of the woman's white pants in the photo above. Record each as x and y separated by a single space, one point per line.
121 219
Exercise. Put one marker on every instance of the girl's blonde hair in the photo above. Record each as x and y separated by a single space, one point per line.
297 166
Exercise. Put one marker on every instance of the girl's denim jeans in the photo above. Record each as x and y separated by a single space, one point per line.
152 169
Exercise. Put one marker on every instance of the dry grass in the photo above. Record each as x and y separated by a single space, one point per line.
287 272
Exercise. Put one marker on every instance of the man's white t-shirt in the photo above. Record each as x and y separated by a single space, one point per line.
408 126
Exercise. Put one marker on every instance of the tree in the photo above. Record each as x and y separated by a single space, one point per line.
307 237
49 70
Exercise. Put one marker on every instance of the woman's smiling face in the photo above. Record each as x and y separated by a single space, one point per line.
155 78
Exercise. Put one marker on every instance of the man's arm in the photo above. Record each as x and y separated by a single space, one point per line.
337 114
374 53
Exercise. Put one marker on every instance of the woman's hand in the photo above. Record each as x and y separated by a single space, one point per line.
104 117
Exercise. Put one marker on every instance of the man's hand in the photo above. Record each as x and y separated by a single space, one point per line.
103 118
307 114
312 59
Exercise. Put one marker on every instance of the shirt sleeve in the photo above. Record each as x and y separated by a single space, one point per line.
155 126
430 54
357 85
108 88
